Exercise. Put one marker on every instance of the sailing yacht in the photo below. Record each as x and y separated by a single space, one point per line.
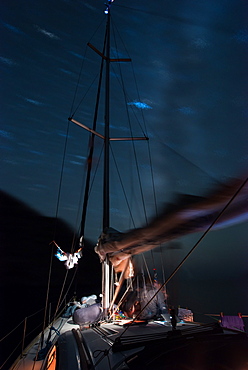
123 331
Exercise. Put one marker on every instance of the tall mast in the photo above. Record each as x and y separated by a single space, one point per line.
106 132
106 265
105 55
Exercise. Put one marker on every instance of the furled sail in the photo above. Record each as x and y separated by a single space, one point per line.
226 205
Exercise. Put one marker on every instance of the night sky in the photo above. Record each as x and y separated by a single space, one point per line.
189 59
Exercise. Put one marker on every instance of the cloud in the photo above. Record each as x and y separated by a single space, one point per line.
89 6
140 105
47 33
6 134
78 159
7 61
186 110
242 36
200 43
37 187
36 152
63 134
32 101
66 71
13 28
76 55
76 163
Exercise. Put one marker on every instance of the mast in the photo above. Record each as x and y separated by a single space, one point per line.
106 265
106 131
106 60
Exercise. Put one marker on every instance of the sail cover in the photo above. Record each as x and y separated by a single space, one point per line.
226 205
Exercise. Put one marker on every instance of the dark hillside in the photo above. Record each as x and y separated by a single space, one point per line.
26 252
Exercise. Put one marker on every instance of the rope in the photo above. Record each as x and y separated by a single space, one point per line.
131 132
72 113
66 293
145 133
48 289
123 189
104 353
11 354
120 301
45 312
58 304
148 272
12 331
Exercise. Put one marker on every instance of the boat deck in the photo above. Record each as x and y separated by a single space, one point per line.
30 353
156 345
119 345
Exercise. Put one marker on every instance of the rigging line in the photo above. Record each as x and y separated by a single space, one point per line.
141 189
143 117
80 74
26 336
58 304
191 163
162 265
75 277
90 189
81 101
156 204
147 269
137 90
79 211
11 331
119 284
30 332
92 142
139 179
74 241
190 252
152 173
168 18
150 161
75 272
48 290
132 108
60 180
92 183
96 170
77 85
111 284
145 132
122 84
35 313
123 189
148 143
133 144
97 28
134 148
40 345
1 367
20 324
121 300
134 77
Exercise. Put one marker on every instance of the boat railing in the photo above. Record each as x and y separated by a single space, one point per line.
16 332
20 331
236 322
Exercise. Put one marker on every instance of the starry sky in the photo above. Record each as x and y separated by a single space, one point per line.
189 60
